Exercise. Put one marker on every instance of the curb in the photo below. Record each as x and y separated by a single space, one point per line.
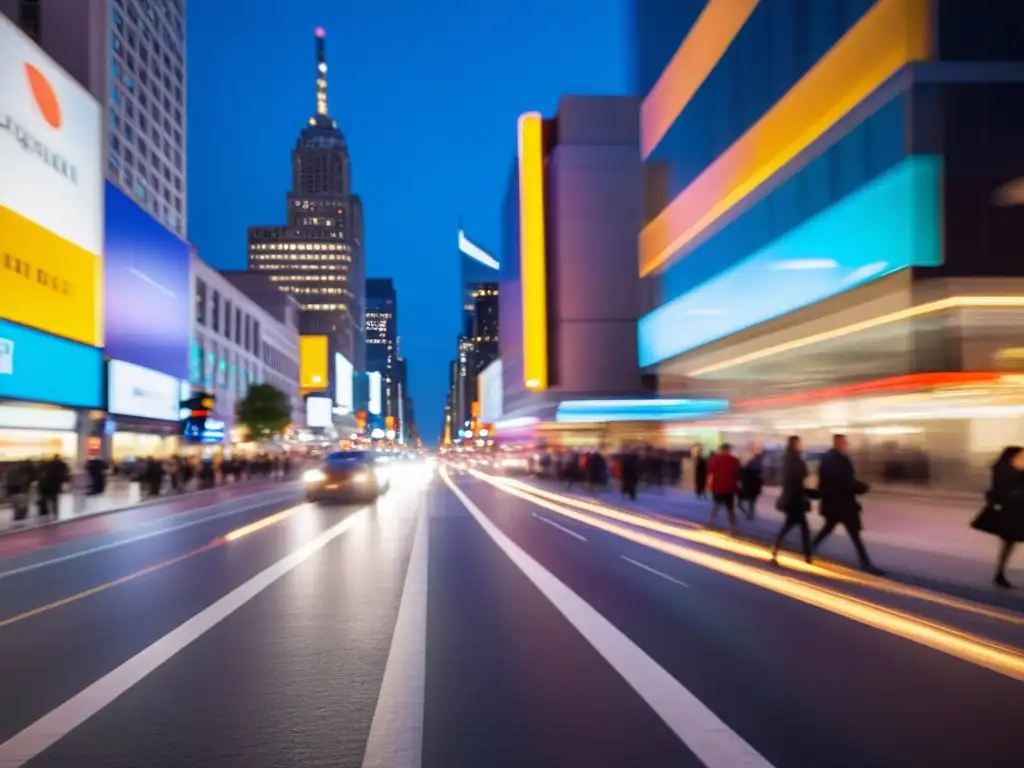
143 503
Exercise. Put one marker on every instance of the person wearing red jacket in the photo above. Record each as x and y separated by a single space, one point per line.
724 481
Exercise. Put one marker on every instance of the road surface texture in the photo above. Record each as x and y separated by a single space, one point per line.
464 620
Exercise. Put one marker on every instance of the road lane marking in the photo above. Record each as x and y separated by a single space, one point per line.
219 541
949 640
703 733
52 727
691 532
139 537
105 586
396 732
655 571
560 527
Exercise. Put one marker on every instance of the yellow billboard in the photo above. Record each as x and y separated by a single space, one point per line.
313 363
49 283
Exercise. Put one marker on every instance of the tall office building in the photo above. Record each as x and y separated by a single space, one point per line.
130 54
382 339
476 268
318 254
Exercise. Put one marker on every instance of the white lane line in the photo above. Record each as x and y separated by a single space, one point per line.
560 527
50 728
396 733
704 734
140 537
655 571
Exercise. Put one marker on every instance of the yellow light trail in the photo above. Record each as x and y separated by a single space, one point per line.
699 535
976 650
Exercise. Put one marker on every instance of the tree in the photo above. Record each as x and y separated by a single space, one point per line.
265 411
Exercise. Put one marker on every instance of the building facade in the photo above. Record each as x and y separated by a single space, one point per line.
51 255
130 54
570 293
382 341
827 243
236 342
317 255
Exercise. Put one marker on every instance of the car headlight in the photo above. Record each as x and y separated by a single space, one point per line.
313 476
361 477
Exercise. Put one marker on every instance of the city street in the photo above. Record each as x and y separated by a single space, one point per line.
461 622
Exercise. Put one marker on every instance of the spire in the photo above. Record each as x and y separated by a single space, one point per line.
321 73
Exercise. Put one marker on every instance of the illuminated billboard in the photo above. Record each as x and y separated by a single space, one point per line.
51 194
319 412
36 366
533 251
889 224
490 384
313 362
137 391
376 395
343 372
147 289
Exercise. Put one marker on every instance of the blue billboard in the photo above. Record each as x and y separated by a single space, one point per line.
889 224
42 368
147 289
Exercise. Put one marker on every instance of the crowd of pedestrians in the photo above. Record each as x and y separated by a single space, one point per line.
46 479
733 486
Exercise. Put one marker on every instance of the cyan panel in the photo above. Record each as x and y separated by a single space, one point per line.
890 224
866 152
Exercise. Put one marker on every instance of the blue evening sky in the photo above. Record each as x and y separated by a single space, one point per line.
427 94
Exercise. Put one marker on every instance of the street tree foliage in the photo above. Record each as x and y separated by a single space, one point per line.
264 411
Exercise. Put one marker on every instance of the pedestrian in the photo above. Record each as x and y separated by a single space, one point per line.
839 488
751 483
1003 514
700 472
724 479
629 474
795 500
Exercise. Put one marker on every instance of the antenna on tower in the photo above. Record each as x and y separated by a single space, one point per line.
321 72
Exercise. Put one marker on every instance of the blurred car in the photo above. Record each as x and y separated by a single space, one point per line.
513 465
346 475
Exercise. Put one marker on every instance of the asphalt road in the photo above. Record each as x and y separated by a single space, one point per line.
470 628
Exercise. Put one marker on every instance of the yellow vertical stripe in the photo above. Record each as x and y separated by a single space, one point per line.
313 362
891 34
532 251
704 46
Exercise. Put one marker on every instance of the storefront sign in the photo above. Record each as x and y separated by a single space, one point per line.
138 391
51 419
51 188
204 430
49 369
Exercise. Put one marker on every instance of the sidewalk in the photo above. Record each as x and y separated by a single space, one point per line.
916 540
120 495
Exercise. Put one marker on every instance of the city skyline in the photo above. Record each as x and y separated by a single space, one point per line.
456 166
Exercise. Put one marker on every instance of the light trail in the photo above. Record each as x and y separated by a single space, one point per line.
967 647
695 533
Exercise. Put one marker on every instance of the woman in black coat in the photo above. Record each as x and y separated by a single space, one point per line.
1003 515
794 502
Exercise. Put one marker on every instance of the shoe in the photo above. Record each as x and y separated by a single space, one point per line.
1000 581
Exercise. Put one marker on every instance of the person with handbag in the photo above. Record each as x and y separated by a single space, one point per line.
795 500
1003 513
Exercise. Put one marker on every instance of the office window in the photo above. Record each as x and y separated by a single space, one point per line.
248 327
255 338
215 312
200 302
227 320
238 326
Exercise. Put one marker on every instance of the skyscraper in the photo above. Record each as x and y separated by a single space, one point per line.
318 254
130 54
382 339
476 267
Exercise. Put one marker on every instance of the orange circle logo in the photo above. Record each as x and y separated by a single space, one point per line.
44 95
